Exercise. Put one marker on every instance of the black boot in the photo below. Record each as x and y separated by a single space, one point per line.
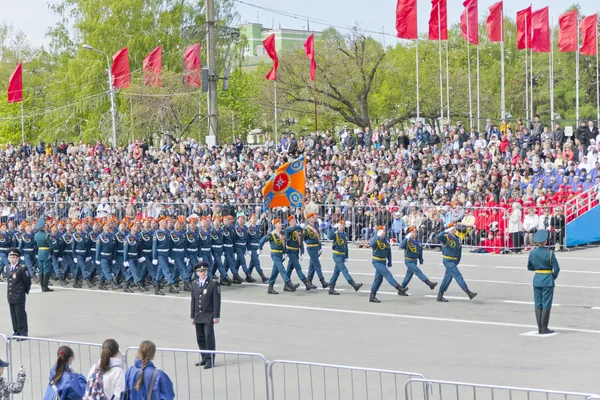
77 283
290 287
271 290
237 279
173 289
373 299
545 321
249 278
308 285
157 290
127 289
355 285
538 319
441 298
225 281
324 283
186 287
311 285
42 283
101 285
470 294
90 283
46 282
332 290
431 285
263 277
114 285
142 287
401 290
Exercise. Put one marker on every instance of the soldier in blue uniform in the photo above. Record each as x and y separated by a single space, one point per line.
241 247
413 252
81 248
18 285
28 250
340 257
148 269
192 248
178 251
228 248
5 244
43 254
56 252
118 269
451 255
106 252
382 255
69 265
543 261
93 234
276 240
295 247
216 236
254 238
161 256
205 244
134 258
312 239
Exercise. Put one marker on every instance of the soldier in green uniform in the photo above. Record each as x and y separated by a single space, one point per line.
382 255
43 254
543 262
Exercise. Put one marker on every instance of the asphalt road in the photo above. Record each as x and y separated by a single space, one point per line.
485 340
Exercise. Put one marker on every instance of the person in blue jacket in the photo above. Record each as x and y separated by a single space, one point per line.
69 385
143 380
413 252
382 260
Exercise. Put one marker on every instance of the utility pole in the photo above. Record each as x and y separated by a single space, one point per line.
212 70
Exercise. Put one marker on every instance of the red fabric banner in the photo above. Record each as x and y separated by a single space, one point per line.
495 23
309 48
153 67
567 35
589 35
540 22
438 20
406 19
269 44
193 65
120 69
469 21
524 29
15 85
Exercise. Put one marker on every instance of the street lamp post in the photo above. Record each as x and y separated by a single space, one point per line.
111 92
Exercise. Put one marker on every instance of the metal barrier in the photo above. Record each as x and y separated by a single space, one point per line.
38 355
326 381
6 355
235 376
422 389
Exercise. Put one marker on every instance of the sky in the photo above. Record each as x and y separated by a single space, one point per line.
34 18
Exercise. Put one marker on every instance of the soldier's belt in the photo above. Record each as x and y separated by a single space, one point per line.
292 248
253 244
81 251
241 244
339 252
410 259
163 250
119 251
312 245
450 258
379 258
205 249
217 246
227 245
3 248
106 254
132 254
147 251
178 249
40 248
276 251
544 271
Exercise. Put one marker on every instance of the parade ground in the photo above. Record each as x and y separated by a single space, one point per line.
492 339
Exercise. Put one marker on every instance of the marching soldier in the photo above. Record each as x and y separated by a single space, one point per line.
254 238
413 252
68 259
543 261
18 285
294 246
382 254
241 247
28 251
205 244
134 259
43 254
148 268
192 245
216 236
161 256
106 250
312 239
5 244
178 251
340 258
276 240
56 252
451 254
118 269
205 312
228 248
81 252
92 242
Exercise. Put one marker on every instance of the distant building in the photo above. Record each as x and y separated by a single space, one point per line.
284 39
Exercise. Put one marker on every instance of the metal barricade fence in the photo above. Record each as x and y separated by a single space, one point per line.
422 389
6 355
235 376
315 381
38 355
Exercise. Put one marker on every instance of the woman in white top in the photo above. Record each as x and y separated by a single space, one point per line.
109 370
530 225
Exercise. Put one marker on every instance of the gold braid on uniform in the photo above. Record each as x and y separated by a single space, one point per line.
450 242
276 240
381 245
339 241
310 233
411 248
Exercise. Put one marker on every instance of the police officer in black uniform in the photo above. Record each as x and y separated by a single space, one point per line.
205 312
18 285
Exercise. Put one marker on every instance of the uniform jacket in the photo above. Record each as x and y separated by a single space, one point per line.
41 242
132 247
277 245
163 387
27 244
5 241
241 237
381 250
543 259
71 386
80 244
293 238
106 246
206 301
340 242
18 283
452 249
8 388
228 237
192 243
161 244
253 236
178 243
311 239
412 249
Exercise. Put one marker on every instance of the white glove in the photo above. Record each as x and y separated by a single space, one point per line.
320 252
170 260
154 262
97 262
302 225
301 257
381 233
346 262
88 259
60 259
142 259
75 260
126 264
186 260
246 253
258 252
23 258
114 262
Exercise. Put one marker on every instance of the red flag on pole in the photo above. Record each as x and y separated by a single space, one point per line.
120 69
309 48
153 67
470 17
524 29
269 44
567 35
540 23
495 23
192 65
15 85
406 19
438 20
589 35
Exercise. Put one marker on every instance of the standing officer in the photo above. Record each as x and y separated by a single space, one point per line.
254 238
382 252
43 254
293 238
18 285
543 261
340 257
205 312
451 254
276 240
241 247
413 252
312 239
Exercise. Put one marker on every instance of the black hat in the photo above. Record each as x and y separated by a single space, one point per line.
201 266
3 364
13 251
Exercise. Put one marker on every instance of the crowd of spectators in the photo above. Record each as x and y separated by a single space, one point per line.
398 177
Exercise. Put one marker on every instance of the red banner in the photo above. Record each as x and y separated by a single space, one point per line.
469 21
495 23
589 35
269 44
309 48
540 22
193 65
120 69
524 29
567 35
15 85
406 19
153 67
438 20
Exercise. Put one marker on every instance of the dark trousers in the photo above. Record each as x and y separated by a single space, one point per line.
18 315
205 335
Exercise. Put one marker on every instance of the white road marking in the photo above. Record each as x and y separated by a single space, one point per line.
536 334
447 297
561 271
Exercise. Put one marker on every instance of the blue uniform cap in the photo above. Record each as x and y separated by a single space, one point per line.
540 236
3 364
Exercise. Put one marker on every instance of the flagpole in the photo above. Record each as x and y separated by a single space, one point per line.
478 92
531 86
526 73
22 124
469 73
577 78
503 94
417 73
275 89
316 124
597 83
447 82
441 73
551 73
